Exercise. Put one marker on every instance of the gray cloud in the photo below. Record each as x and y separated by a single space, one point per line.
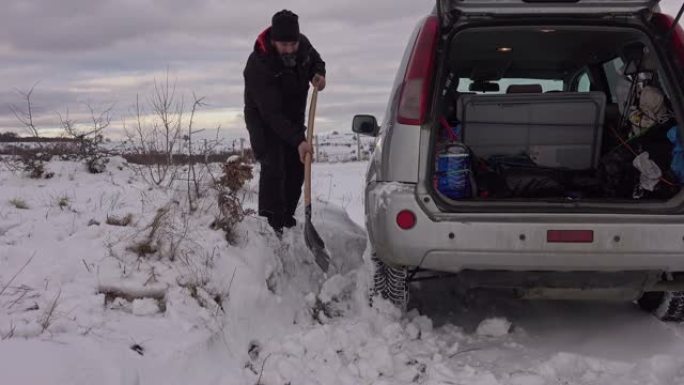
107 51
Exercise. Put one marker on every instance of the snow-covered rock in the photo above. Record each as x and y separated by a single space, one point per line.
494 327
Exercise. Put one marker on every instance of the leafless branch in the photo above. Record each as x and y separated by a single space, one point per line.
263 365
67 123
98 122
192 173
25 117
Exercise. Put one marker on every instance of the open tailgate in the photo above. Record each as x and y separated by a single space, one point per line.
512 7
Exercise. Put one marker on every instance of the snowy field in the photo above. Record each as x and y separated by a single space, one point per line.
79 306
344 146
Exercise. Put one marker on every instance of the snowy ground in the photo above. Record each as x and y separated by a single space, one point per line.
260 312
343 147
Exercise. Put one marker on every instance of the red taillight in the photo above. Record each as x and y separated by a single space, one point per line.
406 220
415 91
570 236
665 22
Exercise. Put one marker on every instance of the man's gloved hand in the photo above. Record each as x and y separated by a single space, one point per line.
304 148
318 81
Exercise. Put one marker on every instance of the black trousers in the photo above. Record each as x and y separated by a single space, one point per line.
280 184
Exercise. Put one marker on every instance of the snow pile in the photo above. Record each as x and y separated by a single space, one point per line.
374 346
145 306
114 261
494 327
105 279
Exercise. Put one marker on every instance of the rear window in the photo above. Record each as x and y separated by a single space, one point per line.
546 84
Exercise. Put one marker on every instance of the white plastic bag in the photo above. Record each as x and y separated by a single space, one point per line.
650 172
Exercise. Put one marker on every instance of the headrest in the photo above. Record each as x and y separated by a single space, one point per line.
524 89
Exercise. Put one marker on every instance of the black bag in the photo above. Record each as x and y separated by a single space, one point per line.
532 182
618 175
517 176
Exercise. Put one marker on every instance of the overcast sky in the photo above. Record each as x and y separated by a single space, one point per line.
105 52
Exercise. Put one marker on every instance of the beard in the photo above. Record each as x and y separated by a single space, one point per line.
289 60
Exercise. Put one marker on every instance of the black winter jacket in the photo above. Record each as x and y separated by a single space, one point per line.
275 96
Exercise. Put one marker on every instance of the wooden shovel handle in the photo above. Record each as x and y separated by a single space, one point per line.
309 138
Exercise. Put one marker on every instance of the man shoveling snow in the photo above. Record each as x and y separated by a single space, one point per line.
277 78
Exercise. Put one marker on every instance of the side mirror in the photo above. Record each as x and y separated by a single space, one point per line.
365 125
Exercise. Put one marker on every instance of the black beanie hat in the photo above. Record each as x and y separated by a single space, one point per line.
285 26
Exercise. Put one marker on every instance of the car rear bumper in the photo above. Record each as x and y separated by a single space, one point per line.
518 242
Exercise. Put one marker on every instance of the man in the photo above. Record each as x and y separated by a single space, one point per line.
277 79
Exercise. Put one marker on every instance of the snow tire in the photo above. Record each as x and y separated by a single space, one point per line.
391 283
666 306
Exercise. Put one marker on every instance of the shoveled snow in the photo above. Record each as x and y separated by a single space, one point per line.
493 327
145 306
260 311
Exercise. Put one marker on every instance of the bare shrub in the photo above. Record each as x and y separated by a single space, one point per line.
89 137
25 115
194 178
35 168
158 137
31 161
235 175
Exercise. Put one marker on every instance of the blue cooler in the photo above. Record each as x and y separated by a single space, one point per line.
454 172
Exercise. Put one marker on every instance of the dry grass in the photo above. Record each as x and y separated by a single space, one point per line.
49 314
117 221
160 238
16 274
63 202
19 203
10 332
144 248
158 220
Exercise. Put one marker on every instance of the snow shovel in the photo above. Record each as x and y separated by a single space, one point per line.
311 237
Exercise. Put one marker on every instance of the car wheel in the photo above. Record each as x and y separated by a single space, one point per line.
379 277
666 306
391 282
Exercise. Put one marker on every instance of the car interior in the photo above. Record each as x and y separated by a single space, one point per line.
555 114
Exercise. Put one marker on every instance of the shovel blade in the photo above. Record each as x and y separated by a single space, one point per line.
315 244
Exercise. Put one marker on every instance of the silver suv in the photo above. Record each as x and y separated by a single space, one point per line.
533 145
